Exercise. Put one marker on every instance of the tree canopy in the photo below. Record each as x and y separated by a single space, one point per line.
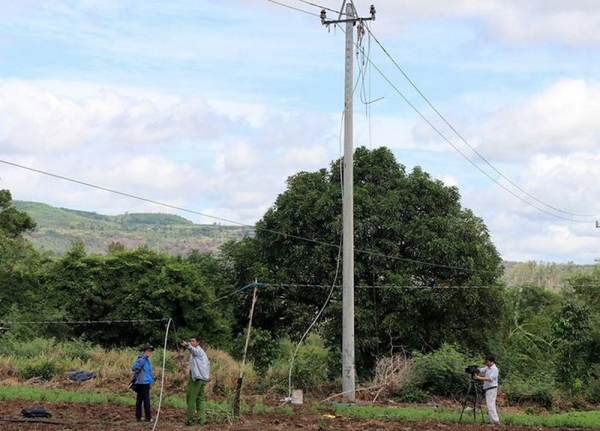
410 231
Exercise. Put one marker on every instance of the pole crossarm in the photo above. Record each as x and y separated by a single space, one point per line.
337 21
326 21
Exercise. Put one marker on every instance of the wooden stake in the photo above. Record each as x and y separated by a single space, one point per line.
238 390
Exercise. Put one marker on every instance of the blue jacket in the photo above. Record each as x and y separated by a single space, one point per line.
142 367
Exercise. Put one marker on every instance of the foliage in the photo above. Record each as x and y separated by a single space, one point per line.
572 327
527 337
134 285
410 393
20 264
263 349
13 222
42 368
538 389
442 372
409 229
310 368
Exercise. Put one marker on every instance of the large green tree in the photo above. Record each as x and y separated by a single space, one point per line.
410 231
136 285
19 262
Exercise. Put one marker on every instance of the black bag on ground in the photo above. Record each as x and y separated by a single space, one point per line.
37 412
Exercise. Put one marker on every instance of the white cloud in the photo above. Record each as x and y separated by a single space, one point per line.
572 23
560 119
35 119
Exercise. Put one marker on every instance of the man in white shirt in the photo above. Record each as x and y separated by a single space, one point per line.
489 377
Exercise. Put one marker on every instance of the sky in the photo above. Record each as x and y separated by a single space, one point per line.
210 106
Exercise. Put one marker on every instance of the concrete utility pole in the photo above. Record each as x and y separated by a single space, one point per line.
348 363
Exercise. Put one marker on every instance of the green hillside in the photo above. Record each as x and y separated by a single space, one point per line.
58 228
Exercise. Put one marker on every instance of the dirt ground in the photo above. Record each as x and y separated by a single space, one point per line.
79 417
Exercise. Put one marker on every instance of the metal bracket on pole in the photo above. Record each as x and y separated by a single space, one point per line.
354 19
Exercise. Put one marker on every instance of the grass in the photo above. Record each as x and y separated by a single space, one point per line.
589 419
221 410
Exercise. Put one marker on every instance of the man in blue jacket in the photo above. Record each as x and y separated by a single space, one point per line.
142 379
199 376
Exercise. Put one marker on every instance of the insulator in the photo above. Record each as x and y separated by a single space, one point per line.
323 16
373 12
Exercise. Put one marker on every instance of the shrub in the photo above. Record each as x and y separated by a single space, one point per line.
10 346
409 393
77 349
539 390
442 372
263 349
43 369
310 369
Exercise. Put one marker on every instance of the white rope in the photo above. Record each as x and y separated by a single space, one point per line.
162 379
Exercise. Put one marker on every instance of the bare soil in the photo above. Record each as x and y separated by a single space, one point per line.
80 417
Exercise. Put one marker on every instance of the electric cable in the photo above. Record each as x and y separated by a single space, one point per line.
390 286
464 140
443 136
84 322
294 8
229 294
443 118
322 7
162 377
286 235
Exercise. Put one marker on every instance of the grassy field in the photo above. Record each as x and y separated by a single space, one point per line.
221 410
588 419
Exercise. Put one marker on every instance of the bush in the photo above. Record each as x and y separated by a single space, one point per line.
43 369
77 349
10 346
263 349
539 390
310 368
409 393
442 372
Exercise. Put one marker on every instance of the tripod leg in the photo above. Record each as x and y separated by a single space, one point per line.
465 403
475 400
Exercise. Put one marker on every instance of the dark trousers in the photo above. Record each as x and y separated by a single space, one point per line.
143 396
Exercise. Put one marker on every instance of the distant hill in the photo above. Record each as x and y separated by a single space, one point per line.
58 228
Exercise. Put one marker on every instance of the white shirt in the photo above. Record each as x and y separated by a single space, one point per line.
492 373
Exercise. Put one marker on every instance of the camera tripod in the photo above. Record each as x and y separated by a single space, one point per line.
473 398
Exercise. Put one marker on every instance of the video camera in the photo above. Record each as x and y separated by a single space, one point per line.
472 370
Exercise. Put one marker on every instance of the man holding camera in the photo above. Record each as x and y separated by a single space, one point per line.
489 376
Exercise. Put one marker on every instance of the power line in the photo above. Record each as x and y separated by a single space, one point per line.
293 8
466 142
322 7
84 322
287 235
460 135
441 134
391 286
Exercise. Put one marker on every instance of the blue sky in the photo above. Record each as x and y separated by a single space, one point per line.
211 105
